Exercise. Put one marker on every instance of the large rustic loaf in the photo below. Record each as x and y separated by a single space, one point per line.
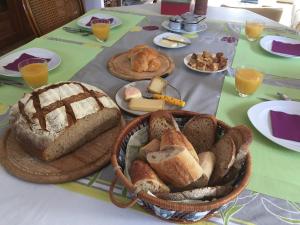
201 132
145 179
175 166
56 119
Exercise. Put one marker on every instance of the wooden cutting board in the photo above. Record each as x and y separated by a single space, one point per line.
119 66
85 160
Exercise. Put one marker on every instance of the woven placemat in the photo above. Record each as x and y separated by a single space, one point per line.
85 160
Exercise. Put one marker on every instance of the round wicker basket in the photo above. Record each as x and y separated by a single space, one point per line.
168 210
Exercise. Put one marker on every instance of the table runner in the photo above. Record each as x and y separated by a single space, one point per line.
275 168
252 55
128 21
73 58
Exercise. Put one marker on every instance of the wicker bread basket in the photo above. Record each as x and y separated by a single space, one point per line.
168 210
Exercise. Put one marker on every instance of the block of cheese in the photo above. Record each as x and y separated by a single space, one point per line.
131 92
157 85
146 105
56 119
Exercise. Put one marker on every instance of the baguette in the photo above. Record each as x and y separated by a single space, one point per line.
173 138
145 179
159 122
201 132
175 166
152 146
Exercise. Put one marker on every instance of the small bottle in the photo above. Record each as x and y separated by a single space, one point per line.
200 7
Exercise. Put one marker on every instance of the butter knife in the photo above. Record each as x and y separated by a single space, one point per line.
176 41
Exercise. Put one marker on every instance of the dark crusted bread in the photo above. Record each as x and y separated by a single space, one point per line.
224 151
201 132
197 194
159 122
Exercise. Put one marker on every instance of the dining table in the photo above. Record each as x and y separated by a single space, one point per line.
273 194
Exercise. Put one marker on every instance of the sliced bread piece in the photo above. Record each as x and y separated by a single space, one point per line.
172 138
159 122
175 166
152 146
145 179
201 132
224 151
197 194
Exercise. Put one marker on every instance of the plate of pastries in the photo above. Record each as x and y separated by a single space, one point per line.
206 62
141 97
139 63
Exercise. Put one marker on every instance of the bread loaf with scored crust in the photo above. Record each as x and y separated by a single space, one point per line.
56 119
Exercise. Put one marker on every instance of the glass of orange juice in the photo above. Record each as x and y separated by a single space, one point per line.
34 72
254 30
247 81
100 29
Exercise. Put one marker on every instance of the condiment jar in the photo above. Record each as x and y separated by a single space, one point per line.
175 22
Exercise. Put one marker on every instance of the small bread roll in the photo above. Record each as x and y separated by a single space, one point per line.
176 166
145 179
173 138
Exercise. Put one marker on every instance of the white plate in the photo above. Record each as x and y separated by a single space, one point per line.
266 44
142 85
84 20
201 27
187 59
37 52
158 38
259 115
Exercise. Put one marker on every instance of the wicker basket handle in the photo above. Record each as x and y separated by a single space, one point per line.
113 200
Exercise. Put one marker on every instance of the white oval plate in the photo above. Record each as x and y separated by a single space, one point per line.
266 44
142 85
187 59
201 27
259 115
84 20
159 37
37 52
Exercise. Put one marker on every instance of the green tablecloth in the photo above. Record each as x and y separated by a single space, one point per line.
128 22
275 168
252 55
74 57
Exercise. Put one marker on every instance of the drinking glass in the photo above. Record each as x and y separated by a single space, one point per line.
247 81
254 30
34 72
100 29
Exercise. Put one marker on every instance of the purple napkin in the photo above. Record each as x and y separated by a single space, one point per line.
285 126
286 48
14 65
150 28
110 20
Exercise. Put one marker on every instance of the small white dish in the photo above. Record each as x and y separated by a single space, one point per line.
187 59
142 85
201 27
37 52
158 40
266 44
84 20
259 115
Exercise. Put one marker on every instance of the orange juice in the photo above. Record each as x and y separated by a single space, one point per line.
247 81
253 30
35 74
101 30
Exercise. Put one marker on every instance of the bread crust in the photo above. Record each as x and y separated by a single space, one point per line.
175 166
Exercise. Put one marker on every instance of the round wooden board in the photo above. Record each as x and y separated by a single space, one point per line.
119 66
85 160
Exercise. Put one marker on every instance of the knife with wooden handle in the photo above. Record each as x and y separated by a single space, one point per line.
167 99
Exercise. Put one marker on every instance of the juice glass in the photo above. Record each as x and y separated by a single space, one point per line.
34 72
247 81
100 29
254 30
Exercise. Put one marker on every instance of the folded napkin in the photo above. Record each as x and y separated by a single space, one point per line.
110 20
14 65
285 126
286 48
